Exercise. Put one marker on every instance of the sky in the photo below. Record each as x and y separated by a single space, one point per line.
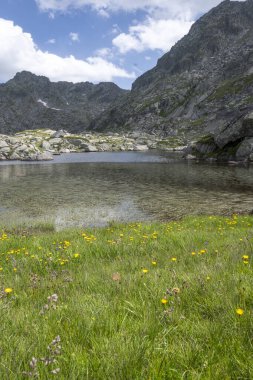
91 40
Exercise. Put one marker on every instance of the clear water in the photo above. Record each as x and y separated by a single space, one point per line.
96 188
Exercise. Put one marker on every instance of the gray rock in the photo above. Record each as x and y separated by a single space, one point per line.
190 157
56 141
14 156
46 145
205 148
77 142
5 150
140 147
3 144
13 140
60 133
245 149
44 156
89 148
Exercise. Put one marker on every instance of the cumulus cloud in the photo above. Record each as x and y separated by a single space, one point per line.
105 53
166 21
153 34
19 52
187 9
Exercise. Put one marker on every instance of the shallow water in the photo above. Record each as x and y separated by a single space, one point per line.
89 189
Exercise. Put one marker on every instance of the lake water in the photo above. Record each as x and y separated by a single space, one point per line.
88 189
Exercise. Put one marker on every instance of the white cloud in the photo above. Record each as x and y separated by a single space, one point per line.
51 15
51 41
18 52
105 53
166 20
103 13
187 9
153 34
74 36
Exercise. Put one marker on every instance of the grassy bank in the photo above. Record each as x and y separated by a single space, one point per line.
161 301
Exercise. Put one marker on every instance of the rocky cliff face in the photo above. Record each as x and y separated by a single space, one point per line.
30 102
203 85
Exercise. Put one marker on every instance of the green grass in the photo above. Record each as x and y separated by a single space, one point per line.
231 87
109 315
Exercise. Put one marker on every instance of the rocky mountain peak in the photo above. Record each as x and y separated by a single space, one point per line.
215 31
29 101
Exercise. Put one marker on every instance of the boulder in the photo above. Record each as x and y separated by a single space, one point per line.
44 156
89 148
55 141
140 147
205 148
14 156
46 145
22 148
235 131
3 144
190 157
5 150
13 140
245 149
57 134
77 142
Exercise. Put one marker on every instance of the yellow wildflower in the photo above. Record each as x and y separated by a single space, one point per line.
8 290
245 257
154 262
164 301
193 253
239 311
144 270
174 259
76 255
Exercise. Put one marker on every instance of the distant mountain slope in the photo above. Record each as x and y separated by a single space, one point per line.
204 83
29 102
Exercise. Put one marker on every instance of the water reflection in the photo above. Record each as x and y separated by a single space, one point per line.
159 187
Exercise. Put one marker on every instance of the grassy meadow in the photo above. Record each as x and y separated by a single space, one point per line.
130 302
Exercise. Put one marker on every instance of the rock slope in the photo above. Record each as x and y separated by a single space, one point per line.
203 86
32 102
201 90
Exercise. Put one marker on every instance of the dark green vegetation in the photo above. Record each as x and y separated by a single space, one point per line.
161 301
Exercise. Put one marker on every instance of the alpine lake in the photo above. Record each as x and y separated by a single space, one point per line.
96 189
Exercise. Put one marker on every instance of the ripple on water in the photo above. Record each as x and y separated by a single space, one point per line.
127 187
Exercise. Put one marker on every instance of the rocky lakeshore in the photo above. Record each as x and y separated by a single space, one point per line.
230 144
41 145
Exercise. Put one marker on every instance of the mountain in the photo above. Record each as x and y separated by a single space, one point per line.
30 102
202 87
204 84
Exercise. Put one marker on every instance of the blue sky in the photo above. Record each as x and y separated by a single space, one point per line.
94 40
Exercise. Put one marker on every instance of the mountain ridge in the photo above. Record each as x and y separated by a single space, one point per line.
29 101
202 86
